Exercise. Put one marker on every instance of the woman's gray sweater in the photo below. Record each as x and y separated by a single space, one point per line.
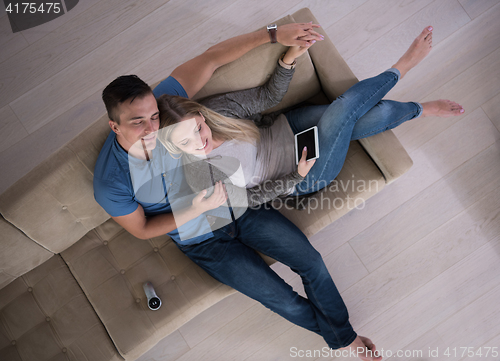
248 104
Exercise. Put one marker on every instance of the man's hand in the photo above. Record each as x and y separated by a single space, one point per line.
140 226
217 199
299 34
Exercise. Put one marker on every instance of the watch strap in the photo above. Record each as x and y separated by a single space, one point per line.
285 65
272 30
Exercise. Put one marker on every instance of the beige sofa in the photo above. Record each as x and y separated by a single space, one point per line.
71 278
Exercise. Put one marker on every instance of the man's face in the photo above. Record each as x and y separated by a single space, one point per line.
139 123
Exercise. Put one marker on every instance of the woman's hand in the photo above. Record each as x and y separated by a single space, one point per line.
305 165
294 52
217 199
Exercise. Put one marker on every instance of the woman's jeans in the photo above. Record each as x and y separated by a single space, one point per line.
356 114
230 257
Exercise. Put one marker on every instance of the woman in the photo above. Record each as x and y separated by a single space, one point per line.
218 144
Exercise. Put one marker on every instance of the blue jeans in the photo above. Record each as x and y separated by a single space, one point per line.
230 257
356 114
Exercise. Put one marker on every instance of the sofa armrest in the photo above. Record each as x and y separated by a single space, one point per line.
388 154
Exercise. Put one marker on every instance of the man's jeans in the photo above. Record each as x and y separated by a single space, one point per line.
230 257
356 114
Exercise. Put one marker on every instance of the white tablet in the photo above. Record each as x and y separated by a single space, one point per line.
308 138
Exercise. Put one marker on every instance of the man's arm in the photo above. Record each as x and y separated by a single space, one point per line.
140 226
195 73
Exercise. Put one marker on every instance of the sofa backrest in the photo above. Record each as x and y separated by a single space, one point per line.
258 66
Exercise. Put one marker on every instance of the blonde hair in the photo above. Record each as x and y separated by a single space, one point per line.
173 109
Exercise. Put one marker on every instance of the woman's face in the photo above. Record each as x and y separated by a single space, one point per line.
192 135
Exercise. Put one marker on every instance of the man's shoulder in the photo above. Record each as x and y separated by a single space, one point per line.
169 86
109 167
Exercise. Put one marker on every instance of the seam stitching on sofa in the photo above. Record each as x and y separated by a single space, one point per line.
91 305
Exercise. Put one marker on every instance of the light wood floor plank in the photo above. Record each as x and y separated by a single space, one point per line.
453 55
10 43
375 16
474 86
294 344
445 16
439 299
37 146
207 323
425 212
64 46
476 7
492 110
421 346
34 34
126 50
473 325
345 267
487 355
221 26
11 129
343 264
426 259
328 12
238 339
471 89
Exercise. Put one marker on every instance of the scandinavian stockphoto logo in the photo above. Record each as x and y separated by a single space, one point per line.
26 15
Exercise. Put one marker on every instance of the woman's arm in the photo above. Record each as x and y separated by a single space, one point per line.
202 175
270 189
245 103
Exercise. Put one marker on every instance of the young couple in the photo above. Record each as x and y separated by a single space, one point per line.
145 176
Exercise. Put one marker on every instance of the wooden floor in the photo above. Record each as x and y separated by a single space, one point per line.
418 267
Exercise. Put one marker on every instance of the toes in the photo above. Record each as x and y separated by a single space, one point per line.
426 32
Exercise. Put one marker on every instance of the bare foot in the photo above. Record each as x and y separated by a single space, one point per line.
442 108
417 51
364 349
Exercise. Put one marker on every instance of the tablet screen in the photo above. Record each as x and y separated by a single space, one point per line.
307 139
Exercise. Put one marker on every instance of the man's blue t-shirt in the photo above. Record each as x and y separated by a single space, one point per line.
121 182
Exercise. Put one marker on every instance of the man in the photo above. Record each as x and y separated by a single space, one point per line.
133 179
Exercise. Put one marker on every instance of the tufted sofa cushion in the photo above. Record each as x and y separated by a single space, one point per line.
111 266
54 204
45 316
18 253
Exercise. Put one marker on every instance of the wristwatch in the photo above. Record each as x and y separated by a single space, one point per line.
272 30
